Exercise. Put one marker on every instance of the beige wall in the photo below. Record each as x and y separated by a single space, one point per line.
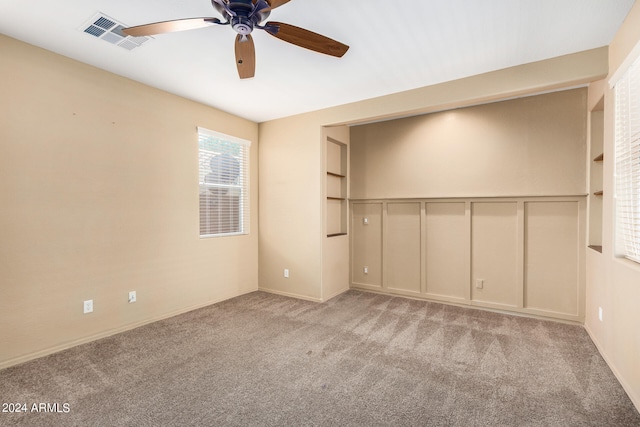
292 172
613 284
291 226
530 146
99 196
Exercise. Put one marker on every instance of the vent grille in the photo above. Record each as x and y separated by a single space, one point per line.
110 30
103 22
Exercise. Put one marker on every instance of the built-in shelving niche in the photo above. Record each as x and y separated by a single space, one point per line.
336 188
595 175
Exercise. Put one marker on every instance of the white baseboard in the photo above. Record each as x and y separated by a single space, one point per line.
634 398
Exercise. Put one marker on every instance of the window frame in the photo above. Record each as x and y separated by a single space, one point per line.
627 162
244 209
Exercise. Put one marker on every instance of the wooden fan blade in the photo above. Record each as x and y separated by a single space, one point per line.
169 26
307 39
245 57
277 3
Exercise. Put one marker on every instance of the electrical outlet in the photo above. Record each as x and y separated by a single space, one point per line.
366 270
88 306
600 313
479 283
365 221
286 273
132 297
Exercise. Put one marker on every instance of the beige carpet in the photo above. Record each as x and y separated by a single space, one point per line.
361 359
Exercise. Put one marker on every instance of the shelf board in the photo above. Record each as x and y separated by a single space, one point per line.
596 248
598 193
599 158
335 198
336 174
336 234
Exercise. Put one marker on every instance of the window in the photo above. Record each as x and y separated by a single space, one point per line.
627 163
224 184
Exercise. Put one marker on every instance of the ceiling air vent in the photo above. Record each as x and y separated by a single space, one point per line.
110 30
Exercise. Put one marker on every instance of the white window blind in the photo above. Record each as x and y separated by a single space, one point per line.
627 163
224 184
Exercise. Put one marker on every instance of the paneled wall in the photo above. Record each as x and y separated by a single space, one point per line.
521 254
482 205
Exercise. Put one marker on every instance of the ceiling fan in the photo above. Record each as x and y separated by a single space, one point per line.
244 16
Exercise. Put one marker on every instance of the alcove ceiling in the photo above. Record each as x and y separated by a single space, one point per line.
394 45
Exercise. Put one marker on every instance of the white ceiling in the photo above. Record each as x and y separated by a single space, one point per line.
395 45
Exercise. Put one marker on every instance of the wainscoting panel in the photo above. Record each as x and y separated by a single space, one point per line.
403 250
366 245
494 236
520 254
447 253
552 256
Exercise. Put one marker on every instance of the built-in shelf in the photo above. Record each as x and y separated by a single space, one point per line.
596 170
336 188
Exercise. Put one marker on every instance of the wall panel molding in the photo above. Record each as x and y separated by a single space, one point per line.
518 254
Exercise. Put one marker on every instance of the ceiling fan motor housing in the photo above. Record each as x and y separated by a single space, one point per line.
244 18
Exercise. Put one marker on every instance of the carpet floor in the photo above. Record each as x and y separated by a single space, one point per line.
360 359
